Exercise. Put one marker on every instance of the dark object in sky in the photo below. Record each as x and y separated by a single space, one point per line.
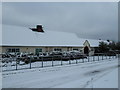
38 28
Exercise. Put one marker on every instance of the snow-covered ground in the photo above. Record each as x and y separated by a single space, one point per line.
97 74
109 80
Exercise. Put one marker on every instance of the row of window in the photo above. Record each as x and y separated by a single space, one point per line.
57 49
75 49
37 50
13 50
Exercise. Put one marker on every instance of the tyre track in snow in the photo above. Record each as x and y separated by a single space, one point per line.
85 79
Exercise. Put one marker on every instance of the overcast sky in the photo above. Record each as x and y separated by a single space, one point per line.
96 20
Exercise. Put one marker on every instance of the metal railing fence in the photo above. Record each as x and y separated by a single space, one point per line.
10 64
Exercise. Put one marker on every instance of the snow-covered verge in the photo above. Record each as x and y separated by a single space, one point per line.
82 75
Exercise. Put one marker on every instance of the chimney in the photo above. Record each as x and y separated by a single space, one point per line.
38 28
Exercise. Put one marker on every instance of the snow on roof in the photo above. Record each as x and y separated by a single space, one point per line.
22 36
93 43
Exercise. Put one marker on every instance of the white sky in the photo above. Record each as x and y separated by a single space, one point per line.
97 20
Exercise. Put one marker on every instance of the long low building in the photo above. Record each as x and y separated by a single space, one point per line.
36 40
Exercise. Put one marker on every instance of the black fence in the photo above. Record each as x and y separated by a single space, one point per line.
11 64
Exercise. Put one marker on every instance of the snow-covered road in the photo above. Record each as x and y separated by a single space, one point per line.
81 75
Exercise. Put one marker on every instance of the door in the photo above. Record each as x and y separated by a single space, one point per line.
86 50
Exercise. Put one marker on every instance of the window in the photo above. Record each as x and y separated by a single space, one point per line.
38 50
13 50
17 50
57 49
9 50
75 49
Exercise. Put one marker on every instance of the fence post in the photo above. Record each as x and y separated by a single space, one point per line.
16 64
61 61
98 57
88 58
42 61
30 62
83 60
93 58
116 56
76 61
52 62
102 56
69 61
106 56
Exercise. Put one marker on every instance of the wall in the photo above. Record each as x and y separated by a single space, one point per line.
28 49
32 49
